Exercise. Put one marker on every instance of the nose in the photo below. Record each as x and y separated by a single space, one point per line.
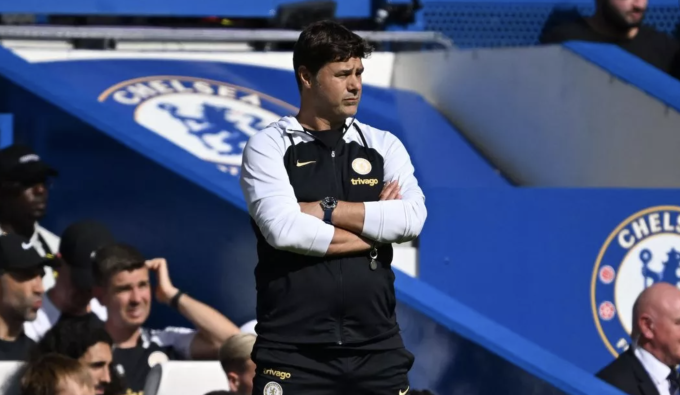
106 375
38 287
354 84
640 4
136 296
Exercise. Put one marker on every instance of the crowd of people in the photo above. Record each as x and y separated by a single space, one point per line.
84 298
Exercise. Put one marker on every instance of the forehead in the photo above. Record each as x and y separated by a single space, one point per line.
98 352
349 64
130 277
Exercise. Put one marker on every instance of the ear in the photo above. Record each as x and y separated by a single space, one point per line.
306 77
234 381
646 324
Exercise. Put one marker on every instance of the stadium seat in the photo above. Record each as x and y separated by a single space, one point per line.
9 377
182 378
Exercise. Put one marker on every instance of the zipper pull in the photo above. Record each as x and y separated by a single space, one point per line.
373 255
332 154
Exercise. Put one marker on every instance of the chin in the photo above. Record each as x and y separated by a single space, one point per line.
38 214
350 112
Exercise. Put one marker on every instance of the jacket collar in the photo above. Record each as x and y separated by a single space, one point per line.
290 124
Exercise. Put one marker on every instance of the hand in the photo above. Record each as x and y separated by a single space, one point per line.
313 208
164 290
391 191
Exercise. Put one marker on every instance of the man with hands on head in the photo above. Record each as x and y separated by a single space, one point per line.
123 286
328 195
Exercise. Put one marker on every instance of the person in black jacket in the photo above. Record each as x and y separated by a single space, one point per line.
328 195
619 22
649 366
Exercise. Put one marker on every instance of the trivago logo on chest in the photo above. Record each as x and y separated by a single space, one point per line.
210 119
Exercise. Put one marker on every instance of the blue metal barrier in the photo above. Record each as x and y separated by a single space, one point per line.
233 9
6 130
462 352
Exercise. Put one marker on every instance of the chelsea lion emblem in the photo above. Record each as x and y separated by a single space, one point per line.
212 120
643 250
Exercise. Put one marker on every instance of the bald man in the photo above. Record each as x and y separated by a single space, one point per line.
648 367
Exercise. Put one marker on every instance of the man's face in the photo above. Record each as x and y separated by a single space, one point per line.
624 14
128 298
666 331
27 201
337 89
78 299
242 383
22 292
98 360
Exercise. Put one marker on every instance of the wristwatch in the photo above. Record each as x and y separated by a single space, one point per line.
328 204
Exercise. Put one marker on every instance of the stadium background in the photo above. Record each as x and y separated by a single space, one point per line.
530 158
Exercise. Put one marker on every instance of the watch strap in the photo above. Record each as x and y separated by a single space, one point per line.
327 215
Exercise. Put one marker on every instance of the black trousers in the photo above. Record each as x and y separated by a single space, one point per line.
331 372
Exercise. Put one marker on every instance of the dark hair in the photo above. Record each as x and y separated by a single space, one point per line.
325 42
43 375
73 336
115 258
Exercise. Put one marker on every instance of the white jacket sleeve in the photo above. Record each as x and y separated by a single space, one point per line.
272 202
396 221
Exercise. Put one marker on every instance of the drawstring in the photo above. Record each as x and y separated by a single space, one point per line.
369 153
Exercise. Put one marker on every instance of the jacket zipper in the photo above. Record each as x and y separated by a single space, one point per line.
341 336
341 325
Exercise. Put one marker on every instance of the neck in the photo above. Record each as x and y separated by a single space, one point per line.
312 120
657 353
123 337
598 23
23 228
10 329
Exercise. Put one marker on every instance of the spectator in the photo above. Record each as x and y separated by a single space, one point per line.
649 365
122 277
620 22
236 363
55 374
24 181
72 293
87 341
21 294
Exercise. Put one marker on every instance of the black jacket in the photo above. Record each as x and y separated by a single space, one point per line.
629 375
304 297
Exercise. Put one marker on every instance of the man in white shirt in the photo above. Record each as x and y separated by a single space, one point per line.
72 292
649 367
24 193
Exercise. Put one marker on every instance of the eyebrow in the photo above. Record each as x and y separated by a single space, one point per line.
349 70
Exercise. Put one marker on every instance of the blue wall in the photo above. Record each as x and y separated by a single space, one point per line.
526 257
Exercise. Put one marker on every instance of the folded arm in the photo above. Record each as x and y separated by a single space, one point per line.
275 209
400 213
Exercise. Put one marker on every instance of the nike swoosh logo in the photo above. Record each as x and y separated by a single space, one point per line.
26 246
404 393
300 164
